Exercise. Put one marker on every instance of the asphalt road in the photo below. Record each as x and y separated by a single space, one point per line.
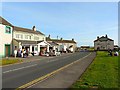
17 75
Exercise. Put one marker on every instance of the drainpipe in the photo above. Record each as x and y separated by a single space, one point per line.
12 39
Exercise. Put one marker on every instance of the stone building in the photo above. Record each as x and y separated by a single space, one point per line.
103 43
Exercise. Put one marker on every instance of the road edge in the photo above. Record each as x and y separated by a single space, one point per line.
27 85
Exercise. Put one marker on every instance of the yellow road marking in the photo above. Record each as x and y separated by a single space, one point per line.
47 75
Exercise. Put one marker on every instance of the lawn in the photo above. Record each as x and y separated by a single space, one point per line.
9 61
102 73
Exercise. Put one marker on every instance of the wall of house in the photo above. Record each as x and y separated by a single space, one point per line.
6 39
104 45
69 44
27 36
15 43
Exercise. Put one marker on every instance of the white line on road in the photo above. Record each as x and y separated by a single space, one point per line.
57 59
19 68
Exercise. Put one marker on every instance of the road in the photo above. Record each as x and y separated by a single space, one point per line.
17 75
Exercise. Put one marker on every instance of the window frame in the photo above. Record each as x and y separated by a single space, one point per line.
6 29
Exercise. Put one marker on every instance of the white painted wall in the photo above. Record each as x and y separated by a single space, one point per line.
68 45
5 38
41 37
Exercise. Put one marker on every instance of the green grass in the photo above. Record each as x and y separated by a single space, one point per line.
9 61
102 73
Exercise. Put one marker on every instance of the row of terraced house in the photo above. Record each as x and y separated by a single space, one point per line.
13 37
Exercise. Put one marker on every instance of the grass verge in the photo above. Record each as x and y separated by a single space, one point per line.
102 73
9 61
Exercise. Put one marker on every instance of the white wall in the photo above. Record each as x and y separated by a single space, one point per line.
41 37
5 38
69 44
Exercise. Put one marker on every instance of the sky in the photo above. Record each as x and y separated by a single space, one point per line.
83 21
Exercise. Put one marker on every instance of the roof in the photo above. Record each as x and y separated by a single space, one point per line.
53 43
103 39
4 22
26 30
60 41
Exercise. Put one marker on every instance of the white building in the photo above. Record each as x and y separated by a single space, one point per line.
63 44
13 37
103 43
6 30
28 39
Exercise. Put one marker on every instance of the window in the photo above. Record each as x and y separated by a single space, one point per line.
36 38
30 37
98 44
8 29
17 35
26 36
21 36
36 48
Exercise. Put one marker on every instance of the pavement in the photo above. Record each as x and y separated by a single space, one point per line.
66 77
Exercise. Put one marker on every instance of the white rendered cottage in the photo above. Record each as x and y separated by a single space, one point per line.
6 31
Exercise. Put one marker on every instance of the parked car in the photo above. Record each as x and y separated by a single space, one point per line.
57 53
54 53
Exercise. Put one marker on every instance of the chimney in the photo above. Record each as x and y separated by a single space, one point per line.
106 36
61 39
72 39
34 28
97 37
49 36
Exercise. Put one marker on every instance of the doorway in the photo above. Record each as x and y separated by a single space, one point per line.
7 49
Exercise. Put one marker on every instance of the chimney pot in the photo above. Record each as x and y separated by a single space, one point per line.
97 37
49 36
34 28
72 39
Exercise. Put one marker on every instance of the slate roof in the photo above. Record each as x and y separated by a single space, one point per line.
26 30
53 43
4 22
103 39
60 41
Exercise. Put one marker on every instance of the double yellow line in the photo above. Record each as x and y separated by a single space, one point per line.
27 85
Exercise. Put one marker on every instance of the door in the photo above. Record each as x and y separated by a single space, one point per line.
7 50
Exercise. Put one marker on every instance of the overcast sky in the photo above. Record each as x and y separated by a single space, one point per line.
83 21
